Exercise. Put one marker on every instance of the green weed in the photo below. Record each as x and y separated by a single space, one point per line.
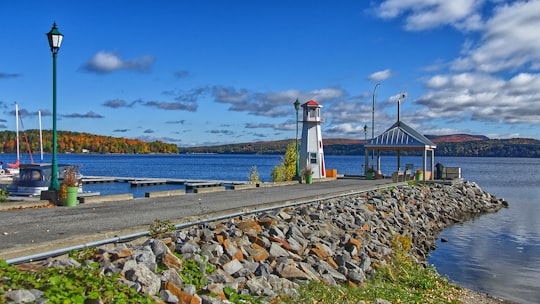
159 228
69 285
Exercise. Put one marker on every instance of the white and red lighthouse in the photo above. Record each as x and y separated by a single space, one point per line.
311 150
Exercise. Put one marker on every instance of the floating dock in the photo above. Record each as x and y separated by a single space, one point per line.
190 184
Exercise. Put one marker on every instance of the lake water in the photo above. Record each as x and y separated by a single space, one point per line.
497 253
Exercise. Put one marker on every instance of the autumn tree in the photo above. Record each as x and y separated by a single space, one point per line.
286 169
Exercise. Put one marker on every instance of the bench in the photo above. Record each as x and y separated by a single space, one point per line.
451 173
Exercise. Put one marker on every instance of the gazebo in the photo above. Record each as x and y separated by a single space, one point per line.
400 137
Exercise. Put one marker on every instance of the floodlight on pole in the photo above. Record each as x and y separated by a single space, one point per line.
365 133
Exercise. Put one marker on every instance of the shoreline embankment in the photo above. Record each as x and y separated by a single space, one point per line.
336 241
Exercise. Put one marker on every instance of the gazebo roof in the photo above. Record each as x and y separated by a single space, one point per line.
400 137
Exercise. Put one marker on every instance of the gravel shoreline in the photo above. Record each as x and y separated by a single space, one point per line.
474 297
335 241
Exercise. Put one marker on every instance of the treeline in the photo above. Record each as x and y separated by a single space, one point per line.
482 148
273 147
515 147
75 142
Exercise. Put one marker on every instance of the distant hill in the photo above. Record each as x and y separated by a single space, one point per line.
447 145
455 138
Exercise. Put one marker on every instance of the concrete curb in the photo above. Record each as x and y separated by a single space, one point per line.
106 198
23 204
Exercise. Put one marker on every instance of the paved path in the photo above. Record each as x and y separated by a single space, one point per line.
30 231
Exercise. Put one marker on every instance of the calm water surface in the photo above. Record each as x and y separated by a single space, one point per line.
496 253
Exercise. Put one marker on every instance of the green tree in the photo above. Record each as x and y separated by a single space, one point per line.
286 169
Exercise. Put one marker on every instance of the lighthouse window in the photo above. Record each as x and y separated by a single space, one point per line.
313 158
312 113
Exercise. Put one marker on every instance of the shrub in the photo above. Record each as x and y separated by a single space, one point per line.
254 175
3 194
286 169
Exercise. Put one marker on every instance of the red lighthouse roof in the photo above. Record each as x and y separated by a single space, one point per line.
312 103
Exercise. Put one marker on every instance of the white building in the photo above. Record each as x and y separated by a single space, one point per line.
311 151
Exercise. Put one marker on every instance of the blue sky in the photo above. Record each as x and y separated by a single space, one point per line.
213 72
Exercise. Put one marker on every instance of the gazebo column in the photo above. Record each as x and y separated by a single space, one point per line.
379 160
366 161
432 164
398 160
424 164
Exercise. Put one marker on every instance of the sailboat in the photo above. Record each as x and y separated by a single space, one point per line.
31 179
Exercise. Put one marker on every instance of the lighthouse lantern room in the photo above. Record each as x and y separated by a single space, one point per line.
311 149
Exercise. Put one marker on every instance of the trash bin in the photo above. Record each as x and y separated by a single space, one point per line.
440 168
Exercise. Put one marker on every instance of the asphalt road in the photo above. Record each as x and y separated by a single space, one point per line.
29 231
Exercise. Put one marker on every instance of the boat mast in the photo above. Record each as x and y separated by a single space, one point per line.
27 143
17 130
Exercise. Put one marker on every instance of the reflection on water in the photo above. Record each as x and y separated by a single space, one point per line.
498 253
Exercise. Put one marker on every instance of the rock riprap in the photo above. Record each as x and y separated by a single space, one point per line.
265 254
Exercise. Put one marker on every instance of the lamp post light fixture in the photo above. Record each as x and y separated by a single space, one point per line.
297 107
55 39
365 134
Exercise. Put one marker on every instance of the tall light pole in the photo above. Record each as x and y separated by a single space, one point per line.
373 119
297 107
55 39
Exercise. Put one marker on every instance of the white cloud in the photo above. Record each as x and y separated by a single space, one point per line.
381 75
438 81
496 78
422 14
483 97
105 62
272 104
511 40
345 129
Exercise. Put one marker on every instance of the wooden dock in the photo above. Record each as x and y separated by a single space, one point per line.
190 184
147 182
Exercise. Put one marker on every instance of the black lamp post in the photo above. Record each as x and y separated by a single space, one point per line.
55 39
297 107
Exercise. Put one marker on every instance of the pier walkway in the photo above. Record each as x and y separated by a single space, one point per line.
29 231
